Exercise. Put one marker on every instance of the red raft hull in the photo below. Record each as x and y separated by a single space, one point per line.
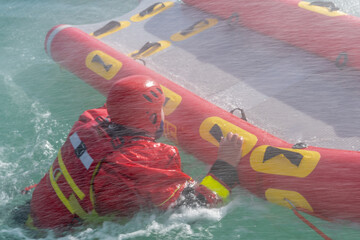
323 182
330 34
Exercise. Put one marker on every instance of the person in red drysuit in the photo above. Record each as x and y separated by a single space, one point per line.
111 165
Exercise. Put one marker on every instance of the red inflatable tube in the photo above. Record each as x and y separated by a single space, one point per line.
320 30
321 181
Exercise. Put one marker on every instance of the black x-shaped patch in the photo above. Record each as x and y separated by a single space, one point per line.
294 157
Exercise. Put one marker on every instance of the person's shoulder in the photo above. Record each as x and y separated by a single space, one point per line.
89 119
93 114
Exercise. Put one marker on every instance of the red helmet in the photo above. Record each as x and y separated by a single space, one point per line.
136 101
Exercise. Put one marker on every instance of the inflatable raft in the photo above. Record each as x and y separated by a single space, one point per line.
216 73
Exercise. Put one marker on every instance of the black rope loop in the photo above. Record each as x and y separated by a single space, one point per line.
330 5
233 19
194 27
151 9
146 47
243 116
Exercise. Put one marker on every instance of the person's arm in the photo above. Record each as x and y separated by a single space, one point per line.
122 187
223 175
216 187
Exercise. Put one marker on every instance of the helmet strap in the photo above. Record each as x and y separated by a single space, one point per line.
159 132
115 130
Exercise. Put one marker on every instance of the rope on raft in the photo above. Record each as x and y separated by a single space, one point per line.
307 222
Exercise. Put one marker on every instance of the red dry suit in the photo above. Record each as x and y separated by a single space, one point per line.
105 169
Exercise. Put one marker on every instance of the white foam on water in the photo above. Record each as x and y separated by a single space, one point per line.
4 198
13 233
5 151
183 223
40 122
155 228
7 170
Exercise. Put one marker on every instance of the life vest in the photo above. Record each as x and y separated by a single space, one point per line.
95 156
65 193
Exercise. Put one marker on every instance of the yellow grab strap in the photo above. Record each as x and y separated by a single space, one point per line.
196 28
91 192
152 11
72 203
68 178
213 185
59 193
77 208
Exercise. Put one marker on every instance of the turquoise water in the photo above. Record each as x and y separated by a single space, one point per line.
40 102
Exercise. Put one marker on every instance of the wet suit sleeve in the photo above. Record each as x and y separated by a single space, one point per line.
221 178
214 189
125 187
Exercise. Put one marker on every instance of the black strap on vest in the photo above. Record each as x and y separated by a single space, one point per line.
116 131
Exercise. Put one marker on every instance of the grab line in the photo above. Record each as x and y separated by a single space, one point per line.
307 222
